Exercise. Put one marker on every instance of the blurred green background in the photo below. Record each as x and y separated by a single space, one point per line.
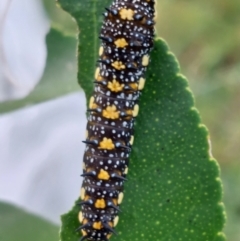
204 36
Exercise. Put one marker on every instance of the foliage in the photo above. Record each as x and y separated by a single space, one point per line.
177 191
17 224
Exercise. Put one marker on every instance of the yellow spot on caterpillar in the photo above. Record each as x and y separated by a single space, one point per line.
141 83
114 201
131 140
86 198
97 71
82 195
100 203
126 170
109 235
135 110
111 112
91 102
103 175
115 86
106 144
97 75
129 113
145 60
97 225
86 134
92 105
121 43
120 198
115 221
84 233
85 221
118 65
100 52
126 14
80 217
134 86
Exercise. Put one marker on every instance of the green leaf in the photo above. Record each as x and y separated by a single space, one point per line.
88 15
173 190
59 77
177 191
19 225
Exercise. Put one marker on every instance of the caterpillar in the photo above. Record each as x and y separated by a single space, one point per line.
126 41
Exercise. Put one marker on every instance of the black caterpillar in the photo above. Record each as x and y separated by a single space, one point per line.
127 38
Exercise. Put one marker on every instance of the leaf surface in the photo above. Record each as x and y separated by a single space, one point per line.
173 190
88 15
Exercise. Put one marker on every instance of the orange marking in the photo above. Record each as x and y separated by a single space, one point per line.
115 86
118 65
91 102
126 14
97 76
121 43
114 201
100 203
129 114
134 86
97 225
85 221
103 175
111 112
106 144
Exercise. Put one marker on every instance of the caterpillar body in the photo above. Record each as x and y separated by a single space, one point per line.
127 38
